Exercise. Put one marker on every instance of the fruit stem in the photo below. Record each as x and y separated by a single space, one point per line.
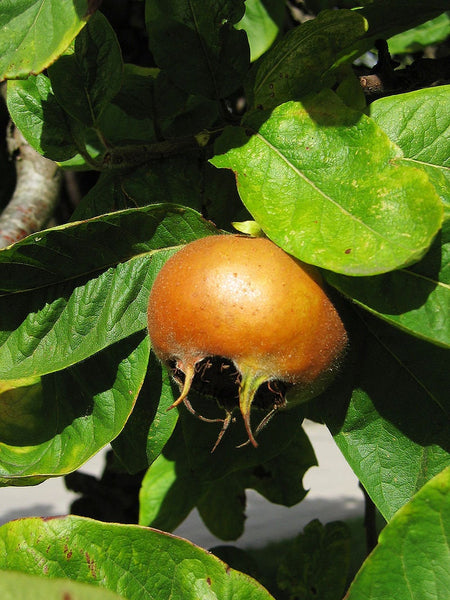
250 383
189 373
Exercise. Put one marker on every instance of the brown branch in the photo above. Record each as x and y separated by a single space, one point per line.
385 79
36 194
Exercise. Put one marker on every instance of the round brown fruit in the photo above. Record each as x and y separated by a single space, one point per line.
248 301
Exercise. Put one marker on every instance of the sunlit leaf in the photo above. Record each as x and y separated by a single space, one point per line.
412 555
137 563
327 185
54 426
31 587
33 33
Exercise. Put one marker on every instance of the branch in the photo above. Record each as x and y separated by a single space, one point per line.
36 194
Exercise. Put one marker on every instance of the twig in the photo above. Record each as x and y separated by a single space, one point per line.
385 79
36 194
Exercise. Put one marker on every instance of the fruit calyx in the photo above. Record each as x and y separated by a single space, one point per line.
246 300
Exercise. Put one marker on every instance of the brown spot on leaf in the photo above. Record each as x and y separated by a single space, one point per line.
91 564
348 251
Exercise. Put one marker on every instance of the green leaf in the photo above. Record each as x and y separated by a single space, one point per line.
222 506
40 118
173 485
137 563
390 414
262 22
279 479
89 74
432 32
339 194
317 564
31 587
198 184
46 258
84 308
414 299
198 45
412 556
52 427
391 17
150 424
56 327
105 196
301 62
33 33
418 122
168 493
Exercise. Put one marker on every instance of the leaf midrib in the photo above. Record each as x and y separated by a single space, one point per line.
326 196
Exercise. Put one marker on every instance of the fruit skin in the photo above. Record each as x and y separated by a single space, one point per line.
247 300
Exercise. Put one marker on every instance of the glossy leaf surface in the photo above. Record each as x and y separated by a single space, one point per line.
299 63
31 587
327 185
53 426
262 22
419 123
96 304
136 563
40 118
46 257
412 555
33 33
413 40
389 414
415 299
150 424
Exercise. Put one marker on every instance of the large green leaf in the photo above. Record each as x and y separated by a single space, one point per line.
390 414
137 563
262 22
299 63
412 556
51 427
390 17
89 74
33 33
419 123
84 306
47 257
48 128
198 45
31 587
55 327
42 121
326 184
150 424
173 485
415 39
415 299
